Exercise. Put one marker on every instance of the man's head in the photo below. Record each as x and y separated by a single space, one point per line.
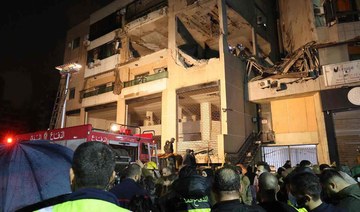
305 163
306 188
332 182
166 172
93 166
262 167
133 171
226 183
268 187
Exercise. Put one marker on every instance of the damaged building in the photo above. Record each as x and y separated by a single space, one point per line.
206 73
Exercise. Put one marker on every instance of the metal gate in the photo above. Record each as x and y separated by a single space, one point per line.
277 155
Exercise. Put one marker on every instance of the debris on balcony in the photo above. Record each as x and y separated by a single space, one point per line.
187 61
302 64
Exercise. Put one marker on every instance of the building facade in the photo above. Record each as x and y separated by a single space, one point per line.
198 71
319 109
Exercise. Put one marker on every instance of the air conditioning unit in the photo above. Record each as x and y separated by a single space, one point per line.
91 65
318 11
97 62
265 84
86 43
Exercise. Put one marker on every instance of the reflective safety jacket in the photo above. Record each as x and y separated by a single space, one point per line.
88 199
87 205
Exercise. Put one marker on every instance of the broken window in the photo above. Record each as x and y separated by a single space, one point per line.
101 52
341 11
105 25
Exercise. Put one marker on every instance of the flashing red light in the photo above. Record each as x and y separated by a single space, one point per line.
9 140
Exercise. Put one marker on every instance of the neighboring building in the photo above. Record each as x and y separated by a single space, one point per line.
322 112
178 67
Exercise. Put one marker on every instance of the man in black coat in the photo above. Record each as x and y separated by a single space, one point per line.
226 188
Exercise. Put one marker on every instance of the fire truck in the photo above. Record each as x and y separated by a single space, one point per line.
128 147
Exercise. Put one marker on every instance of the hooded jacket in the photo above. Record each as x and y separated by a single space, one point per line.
349 198
188 194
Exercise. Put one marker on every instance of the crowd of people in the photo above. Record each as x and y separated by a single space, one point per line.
231 187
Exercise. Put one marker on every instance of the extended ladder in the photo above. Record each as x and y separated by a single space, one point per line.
152 151
58 105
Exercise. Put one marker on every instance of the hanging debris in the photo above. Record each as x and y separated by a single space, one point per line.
302 64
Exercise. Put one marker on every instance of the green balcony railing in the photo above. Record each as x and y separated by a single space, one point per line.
106 88
145 79
98 90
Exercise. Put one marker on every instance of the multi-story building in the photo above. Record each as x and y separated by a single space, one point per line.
321 109
178 67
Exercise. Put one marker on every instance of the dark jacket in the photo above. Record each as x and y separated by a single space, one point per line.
324 207
349 198
235 206
126 190
277 206
188 193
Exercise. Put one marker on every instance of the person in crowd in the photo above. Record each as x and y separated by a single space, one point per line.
130 186
287 164
226 188
260 168
305 163
268 187
306 188
324 166
341 192
209 174
190 192
245 190
163 184
91 174
189 158
285 196
140 203
150 169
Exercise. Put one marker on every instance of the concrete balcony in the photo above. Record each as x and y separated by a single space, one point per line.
334 76
101 66
103 98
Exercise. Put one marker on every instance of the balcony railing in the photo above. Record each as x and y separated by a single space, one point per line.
94 91
145 79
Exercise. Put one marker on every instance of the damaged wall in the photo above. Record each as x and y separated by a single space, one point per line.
296 17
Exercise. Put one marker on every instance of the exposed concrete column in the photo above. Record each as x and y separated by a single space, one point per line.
322 147
125 49
168 117
172 27
121 111
223 51
180 113
205 111
82 116
223 45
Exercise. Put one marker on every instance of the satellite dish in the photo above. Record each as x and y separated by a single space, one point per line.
354 96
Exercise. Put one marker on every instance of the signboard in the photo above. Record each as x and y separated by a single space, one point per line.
342 73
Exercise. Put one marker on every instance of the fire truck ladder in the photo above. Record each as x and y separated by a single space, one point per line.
58 105
152 151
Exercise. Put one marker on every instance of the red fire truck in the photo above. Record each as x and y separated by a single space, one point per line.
127 146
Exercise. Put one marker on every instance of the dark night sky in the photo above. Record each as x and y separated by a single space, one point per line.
32 36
